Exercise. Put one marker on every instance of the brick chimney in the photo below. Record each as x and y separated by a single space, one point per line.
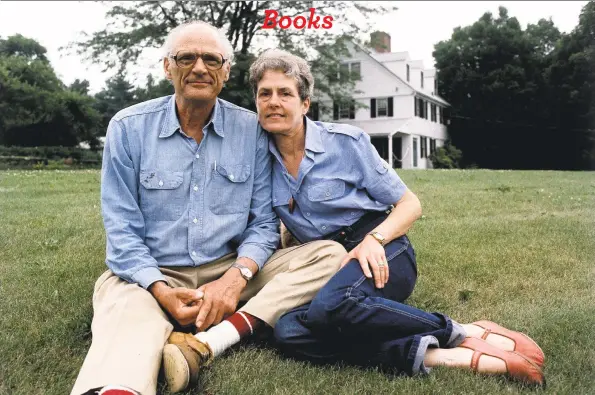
380 41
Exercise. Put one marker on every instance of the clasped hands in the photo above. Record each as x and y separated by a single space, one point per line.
205 306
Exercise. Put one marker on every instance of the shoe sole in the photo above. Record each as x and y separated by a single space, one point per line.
175 368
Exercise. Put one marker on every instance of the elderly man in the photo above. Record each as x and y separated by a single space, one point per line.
186 202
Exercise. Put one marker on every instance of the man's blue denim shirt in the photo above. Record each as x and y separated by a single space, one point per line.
168 201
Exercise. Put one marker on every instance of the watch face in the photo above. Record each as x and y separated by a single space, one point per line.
246 272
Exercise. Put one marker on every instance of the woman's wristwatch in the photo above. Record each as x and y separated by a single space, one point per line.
379 238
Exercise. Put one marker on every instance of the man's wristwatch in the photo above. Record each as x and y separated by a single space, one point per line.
379 238
244 271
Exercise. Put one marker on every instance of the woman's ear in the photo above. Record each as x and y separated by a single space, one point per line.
306 106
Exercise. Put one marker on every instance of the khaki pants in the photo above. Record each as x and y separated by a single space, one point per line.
130 329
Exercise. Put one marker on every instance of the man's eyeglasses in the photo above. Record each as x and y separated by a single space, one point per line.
187 59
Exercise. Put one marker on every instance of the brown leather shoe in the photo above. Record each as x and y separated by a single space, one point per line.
518 366
523 344
183 357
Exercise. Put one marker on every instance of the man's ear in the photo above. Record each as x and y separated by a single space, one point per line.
166 68
227 73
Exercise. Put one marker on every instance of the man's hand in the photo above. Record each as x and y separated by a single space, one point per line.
182 304
370 253
220 299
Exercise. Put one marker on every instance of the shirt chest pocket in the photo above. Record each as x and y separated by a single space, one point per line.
326 190
161 194
230 191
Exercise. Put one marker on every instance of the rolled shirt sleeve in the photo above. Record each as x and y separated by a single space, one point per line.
261 237
127 256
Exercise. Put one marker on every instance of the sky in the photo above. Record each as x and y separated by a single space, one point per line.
415 27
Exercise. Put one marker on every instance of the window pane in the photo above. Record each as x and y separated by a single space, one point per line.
382 107
343 71
355 70
344 111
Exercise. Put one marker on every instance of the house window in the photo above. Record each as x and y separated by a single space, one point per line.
382 107
414 152
433 112
408 73
355 69
436 86
422 79
352 69
314 111
420 108
344 110
432 146
423 148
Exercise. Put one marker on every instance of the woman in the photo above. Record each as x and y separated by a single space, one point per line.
330 183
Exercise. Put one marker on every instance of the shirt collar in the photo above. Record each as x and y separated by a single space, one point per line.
313 140
172 124
313 137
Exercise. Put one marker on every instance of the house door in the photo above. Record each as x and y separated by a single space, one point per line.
397 152
414 152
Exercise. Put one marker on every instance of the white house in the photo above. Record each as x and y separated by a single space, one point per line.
404 115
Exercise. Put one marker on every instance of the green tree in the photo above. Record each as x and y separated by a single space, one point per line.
35 106
491 73
117 94
132 27
571 96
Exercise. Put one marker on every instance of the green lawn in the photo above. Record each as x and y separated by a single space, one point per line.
510 246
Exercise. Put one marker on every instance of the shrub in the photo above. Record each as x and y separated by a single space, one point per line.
446 157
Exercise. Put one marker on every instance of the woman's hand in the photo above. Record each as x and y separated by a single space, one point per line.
370 255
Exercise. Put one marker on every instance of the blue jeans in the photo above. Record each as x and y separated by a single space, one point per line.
350 320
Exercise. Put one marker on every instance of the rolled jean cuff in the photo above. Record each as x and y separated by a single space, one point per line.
418 362
457 335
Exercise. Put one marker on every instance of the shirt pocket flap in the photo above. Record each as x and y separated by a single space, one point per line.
161 179
281 197
326 190
234 173
381 168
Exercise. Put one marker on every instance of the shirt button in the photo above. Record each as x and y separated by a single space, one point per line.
308 214
160 183
195 220
193 253
231 177
197 156
327 194
323 227
196 188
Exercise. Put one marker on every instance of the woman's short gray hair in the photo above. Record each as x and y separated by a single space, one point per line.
292 65
168 45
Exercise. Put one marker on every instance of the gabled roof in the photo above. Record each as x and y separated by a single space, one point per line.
418 92
391 56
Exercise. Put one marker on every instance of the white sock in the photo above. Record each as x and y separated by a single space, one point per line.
220 337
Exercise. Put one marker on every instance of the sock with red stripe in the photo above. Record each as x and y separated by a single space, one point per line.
230 331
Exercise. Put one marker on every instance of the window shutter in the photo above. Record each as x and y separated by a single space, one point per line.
335 111
352 110
390 106
372 108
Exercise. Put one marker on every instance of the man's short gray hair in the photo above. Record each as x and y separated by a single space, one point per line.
292 65
168 45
